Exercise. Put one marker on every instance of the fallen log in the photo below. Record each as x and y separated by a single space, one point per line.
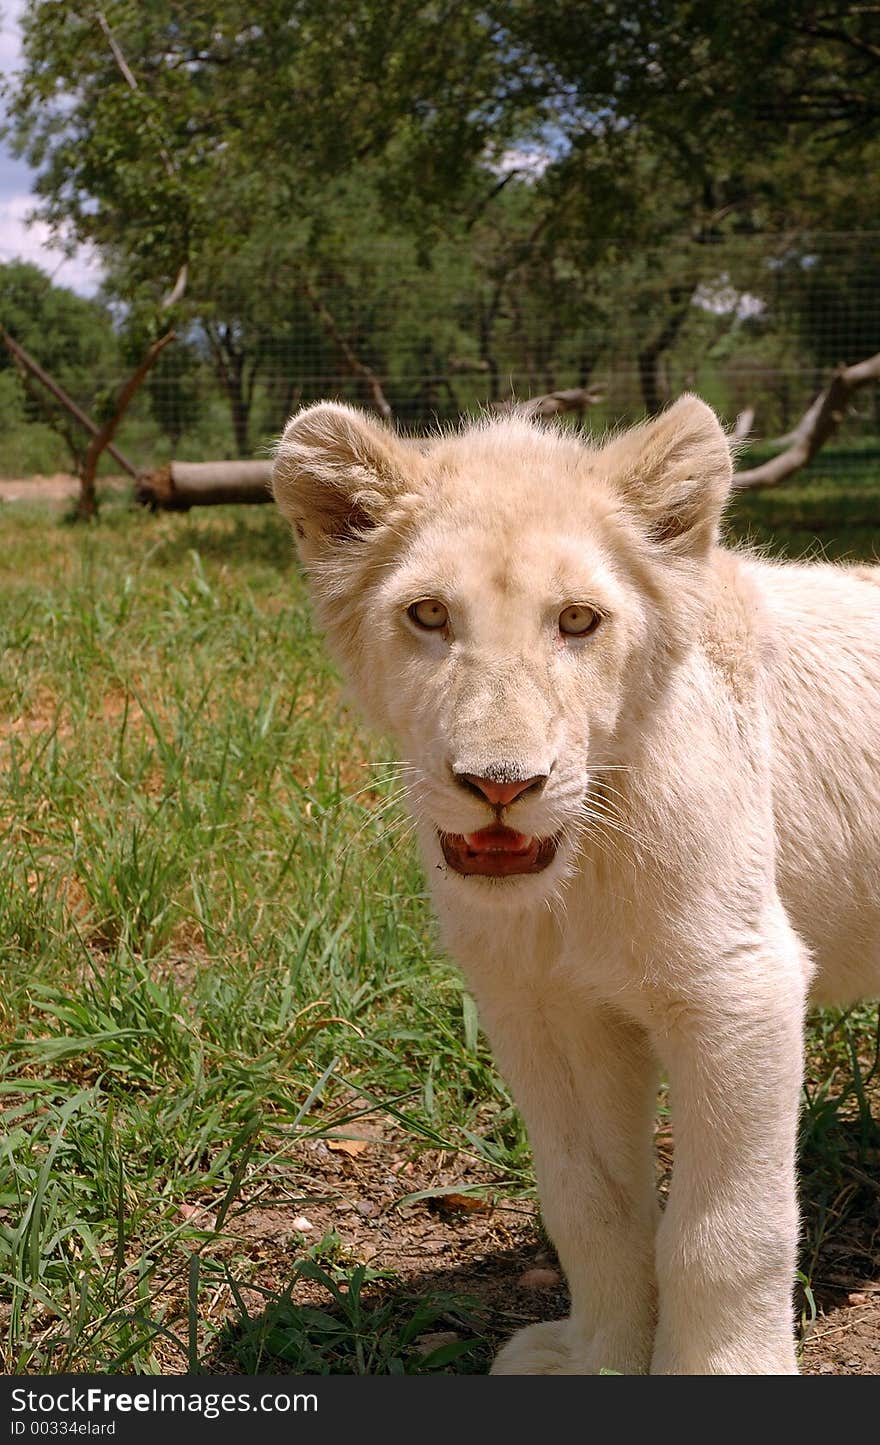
180 485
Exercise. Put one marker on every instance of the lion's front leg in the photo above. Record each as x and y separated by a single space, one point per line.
726 1250
585 1081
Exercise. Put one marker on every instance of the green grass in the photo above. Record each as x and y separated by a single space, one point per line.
213 936
357 1335
831 510
204 930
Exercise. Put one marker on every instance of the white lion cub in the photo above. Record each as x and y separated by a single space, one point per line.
648 798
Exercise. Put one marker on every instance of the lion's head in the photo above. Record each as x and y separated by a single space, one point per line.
507 602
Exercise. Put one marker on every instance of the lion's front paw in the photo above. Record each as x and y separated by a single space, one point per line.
536 1350
560 1348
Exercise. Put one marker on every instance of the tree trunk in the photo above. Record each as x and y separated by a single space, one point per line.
229 360
486 326
653 390
239 409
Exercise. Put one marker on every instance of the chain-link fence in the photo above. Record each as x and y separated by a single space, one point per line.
751 323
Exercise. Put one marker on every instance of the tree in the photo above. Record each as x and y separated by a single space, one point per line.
72 338
175 391
709 147
716 87
216 140
427 204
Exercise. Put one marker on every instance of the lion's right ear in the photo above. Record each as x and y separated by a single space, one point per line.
335 473
675 471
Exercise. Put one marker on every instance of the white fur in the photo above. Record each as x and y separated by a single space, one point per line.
715 753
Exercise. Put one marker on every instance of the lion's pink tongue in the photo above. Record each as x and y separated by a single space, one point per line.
498 839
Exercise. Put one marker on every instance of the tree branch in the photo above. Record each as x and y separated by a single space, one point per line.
555 403
819 422
132 84
743 425
380 401
27 361
86 505
178 289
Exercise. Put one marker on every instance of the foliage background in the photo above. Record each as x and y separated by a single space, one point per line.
455 202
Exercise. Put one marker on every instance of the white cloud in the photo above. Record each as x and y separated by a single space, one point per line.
19 241
723 299
11 15
529 163
10 39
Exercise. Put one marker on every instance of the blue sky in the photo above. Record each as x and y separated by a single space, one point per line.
18 240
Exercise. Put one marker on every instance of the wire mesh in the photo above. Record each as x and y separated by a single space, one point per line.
755 322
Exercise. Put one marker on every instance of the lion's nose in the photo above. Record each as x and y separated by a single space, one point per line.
500 794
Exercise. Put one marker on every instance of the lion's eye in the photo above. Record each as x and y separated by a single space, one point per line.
429 614
578 620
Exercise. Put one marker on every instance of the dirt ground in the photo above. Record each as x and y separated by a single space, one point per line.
61 487
491 1251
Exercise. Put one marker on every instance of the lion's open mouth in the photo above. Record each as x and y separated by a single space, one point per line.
497 852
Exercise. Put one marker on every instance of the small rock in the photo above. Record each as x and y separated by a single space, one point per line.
857 1299
198 1216
539 1279
367 1208
302 1225
435 1340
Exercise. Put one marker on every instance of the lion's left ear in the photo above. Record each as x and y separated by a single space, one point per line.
675 472
336 471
